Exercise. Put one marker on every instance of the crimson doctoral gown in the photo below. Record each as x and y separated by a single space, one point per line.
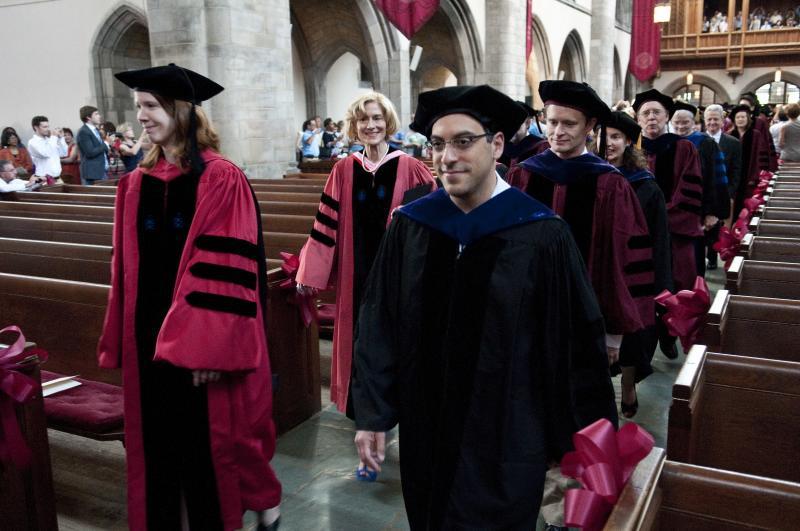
329 257
755 157
609 227
212 253
676 165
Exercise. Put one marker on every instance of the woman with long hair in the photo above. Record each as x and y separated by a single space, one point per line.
755 155
360 194
186 321
131 151
71 164
637 349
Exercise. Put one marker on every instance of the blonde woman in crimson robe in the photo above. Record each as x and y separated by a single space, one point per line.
354 211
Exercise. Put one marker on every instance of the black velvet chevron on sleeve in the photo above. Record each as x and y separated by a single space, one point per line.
234 275
227 244
222 303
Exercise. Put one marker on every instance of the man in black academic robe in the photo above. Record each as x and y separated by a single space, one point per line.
479 332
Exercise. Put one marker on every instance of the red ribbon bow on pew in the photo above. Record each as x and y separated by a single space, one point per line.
603 461
306 303
19 388
751 204
686 311
730 239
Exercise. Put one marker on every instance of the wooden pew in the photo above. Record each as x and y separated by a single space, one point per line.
770 249
773 227
783 193
758 278
737 413
666 495
769 212
783 202
66 261
62 198
67 317
57 230
753 326
28 501
56 210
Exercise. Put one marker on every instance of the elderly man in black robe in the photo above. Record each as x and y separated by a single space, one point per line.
479 332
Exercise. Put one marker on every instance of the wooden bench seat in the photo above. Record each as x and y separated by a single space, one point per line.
753 326
63 198
66 261
57 230
775 227
780 213
667 495
737 413
788 202
763 279
770 248
788 192
57 210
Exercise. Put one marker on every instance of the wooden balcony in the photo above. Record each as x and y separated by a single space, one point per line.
732 50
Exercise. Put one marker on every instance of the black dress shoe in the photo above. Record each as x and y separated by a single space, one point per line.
711 266
669 348
271 527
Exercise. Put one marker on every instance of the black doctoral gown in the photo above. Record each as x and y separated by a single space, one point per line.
480 335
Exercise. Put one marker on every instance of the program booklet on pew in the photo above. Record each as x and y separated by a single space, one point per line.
59 384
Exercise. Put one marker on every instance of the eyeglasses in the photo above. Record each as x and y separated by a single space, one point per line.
460 143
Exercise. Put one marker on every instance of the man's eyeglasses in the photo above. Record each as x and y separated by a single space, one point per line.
460 143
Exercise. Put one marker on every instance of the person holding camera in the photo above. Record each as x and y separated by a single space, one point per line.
46 148
94 151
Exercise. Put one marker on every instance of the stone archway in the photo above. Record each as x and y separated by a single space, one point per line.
122 43
539 66
438 41
699 79
573 59
346 78
755 84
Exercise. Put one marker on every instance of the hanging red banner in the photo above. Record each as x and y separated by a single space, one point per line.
645 41
408 16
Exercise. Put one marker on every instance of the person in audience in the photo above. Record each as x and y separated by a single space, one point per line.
12 149
789 141
186 321
755 155
130 150
94 150
522 146
9 181
360 195
70 165
676 165
466 336
310 147
638 348
329 139
761 125
779 119
46 148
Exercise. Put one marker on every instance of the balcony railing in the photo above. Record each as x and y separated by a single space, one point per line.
733 46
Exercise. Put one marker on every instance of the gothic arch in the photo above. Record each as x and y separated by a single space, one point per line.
699 79
468 43
791 77
541 49
573 58
122 42
300 42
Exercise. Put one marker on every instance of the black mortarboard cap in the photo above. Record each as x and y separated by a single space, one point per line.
626 124
579 96
496 111
681 105
171 81
739 108
751 97
528 109
654 95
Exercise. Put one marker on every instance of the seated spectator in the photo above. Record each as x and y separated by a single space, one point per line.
310 146
329 139
71 164
130 150
12 149
9 182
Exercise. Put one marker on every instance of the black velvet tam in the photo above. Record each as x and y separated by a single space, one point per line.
626 124
528 109
579 96
496 111
654 95
171 81
683 106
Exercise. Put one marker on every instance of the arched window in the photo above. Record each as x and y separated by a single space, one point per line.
781 92
696 94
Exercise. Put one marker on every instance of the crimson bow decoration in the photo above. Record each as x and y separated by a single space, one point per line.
730 239
686 311
306 303
603 462
19 388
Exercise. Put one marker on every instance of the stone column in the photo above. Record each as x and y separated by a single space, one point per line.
601 49
398 88
246 47
504 58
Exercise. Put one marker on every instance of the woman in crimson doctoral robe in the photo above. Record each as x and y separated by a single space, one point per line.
755 155
354 211
637 349
186 321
